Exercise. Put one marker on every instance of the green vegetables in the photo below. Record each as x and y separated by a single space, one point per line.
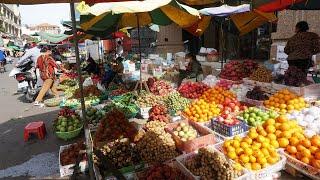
125 103
94 116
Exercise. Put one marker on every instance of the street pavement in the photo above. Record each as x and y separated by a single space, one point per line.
18 159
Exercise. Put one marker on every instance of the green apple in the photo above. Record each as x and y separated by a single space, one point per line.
253 115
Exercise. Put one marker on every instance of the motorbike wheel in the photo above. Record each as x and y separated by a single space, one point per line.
31 95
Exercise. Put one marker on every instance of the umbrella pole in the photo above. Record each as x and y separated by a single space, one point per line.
76 47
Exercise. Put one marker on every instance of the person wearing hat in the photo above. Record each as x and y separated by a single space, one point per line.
47 66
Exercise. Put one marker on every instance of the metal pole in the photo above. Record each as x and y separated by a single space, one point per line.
76 47
139 41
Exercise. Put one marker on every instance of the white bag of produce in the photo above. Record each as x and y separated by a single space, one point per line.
88 82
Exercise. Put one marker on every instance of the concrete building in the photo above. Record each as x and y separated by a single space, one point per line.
45 27
10 19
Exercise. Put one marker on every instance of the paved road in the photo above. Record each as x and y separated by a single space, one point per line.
35 158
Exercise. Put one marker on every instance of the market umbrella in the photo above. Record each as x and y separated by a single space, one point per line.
246 22
53 38
308 5
225 10
275 5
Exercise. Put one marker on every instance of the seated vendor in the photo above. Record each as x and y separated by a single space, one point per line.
114 72
92 67
192 70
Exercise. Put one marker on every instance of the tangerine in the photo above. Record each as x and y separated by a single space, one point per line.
315 140
291 149
305 160
306 143
294 141
283 142
255 166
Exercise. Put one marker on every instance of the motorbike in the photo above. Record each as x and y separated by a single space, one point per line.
27 80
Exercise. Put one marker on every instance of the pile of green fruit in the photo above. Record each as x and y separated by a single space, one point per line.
94 115
92 100
254 116
175 102
67 121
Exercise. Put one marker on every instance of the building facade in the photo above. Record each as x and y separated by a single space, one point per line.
10 19
45 27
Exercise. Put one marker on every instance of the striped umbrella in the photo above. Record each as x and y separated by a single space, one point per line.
138 13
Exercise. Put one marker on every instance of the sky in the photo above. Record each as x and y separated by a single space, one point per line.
48 13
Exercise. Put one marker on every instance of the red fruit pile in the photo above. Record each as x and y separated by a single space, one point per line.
224 84
69 156
163 171
160 88
66 112
231 106
113 126
295 77
249 66
71 75
192 90
118 92
228 119
233 70
159 113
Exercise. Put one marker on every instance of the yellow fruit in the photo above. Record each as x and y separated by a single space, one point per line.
238 167
248 151
231 149
236 144
232 155
313 149
306 143
247 140
263 133
305 160
285 134
265 152
306 153
270 122
278 133
239 151
244 145
237 137
255 166
244 158
274 143
260 139
270 129
248 166
256 146
262 160
272 136
253 159
272 160
294 141
291 149
283 142
252 135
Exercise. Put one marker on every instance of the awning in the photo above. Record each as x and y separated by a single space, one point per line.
277 5
246 22
199 2
53 38
308 5
225 10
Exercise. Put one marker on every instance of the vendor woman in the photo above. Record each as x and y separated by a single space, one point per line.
192 70
301 47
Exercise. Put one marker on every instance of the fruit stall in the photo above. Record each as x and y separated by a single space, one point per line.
244 124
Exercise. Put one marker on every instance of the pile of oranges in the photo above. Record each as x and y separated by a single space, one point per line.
217 94
201 111
285 101
252 152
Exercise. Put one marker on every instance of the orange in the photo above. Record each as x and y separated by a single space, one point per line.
300 147
232 155
263 133
270 122
256 145
313 149
252 135
272 160
274 154
315 163
317 155
236 144
248 166
278 133
291 149
262 160
305 160
272 136
248 151
274 143
298 135
306 143
231 149
284 127
294 141
306 153
270 129
281 119
285 134
239 151
265 152
253 159
247 140
244 145
255 166
283 142
299 155
244 158
315 140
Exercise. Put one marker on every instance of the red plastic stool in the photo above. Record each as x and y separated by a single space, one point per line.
38 128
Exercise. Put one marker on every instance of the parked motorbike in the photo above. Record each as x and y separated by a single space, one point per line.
27 80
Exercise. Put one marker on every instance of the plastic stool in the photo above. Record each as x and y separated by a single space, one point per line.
38 128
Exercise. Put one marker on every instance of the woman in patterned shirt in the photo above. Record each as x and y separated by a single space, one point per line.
302 46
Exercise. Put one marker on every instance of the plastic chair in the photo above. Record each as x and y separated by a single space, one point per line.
36 128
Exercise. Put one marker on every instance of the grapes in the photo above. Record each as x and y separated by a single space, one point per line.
175 102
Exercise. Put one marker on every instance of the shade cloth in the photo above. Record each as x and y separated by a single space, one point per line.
53 38
225 10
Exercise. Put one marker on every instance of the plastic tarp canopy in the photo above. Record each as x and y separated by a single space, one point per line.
29 2
199 2
308 5
225 10
275 5
246 22
53 38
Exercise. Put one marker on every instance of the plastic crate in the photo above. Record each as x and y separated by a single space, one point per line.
253 102
67 170
227 130
301 167
206 138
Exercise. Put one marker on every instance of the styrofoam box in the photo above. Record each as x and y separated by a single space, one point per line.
67 170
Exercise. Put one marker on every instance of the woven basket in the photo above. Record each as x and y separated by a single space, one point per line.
53 102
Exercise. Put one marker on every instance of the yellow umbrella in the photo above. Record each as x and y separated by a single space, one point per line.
246 22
